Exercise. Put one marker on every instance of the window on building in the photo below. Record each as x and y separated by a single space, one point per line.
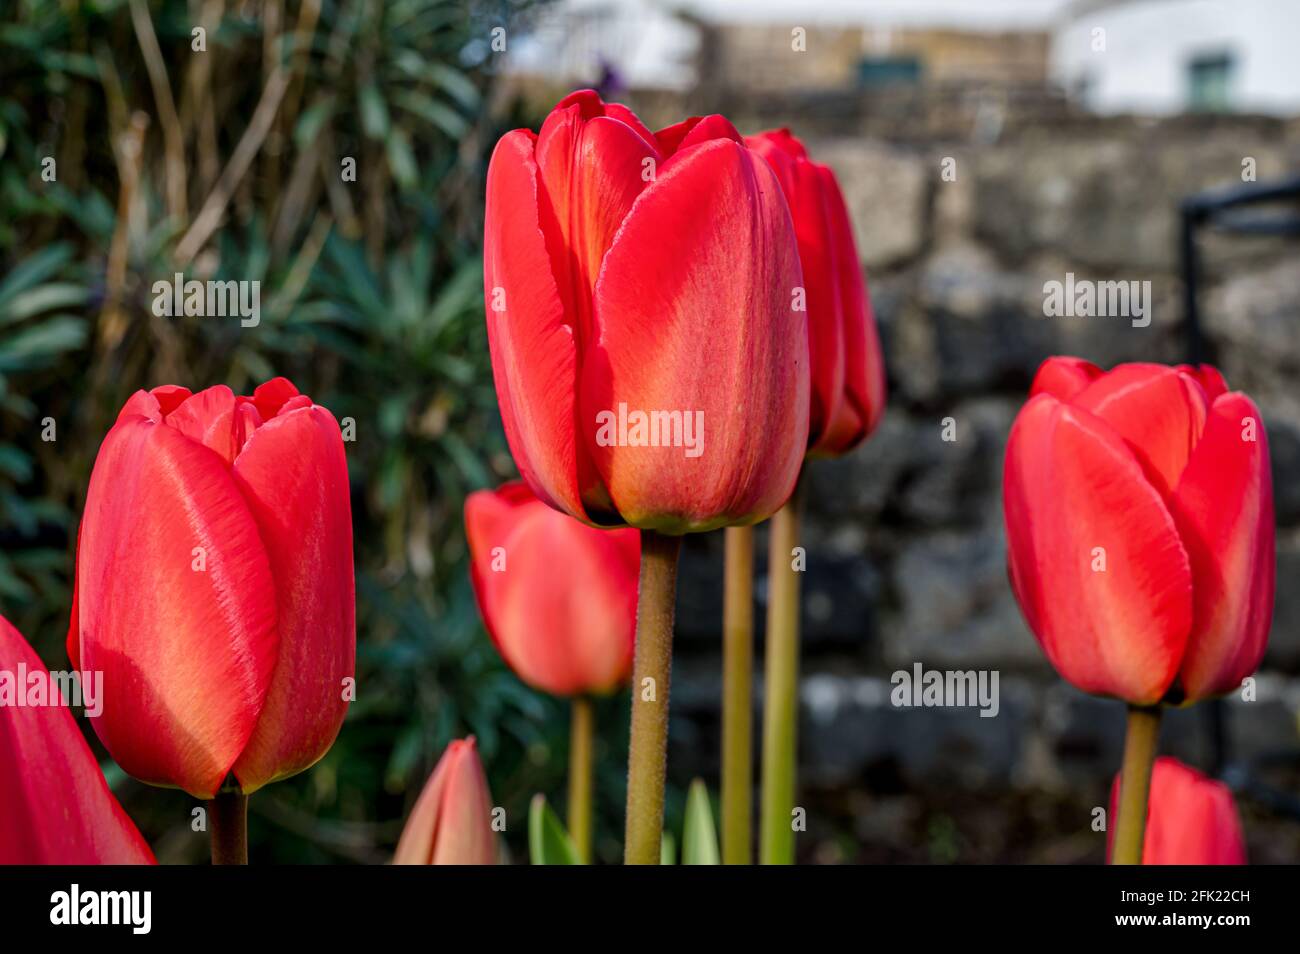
874 71
1210 82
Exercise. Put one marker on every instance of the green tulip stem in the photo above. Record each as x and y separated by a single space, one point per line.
781 682
647 761
582 727
228 822
1135 784
737 695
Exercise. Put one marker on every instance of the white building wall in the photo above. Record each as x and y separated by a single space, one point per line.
1148 44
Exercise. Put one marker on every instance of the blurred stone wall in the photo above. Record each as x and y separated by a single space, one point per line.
906 551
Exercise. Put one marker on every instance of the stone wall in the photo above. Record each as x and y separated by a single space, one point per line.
905 543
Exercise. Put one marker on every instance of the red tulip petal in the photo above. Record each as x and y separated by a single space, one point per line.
1224 511
624 115
1070 486
141 404
701 277
821 256
1191 819
170 397
488 518
534 357
1157 410
1064 377
187 653
561 601
270 396
674 140
864 366
591 171
208 418
1209 377
55 807
294 476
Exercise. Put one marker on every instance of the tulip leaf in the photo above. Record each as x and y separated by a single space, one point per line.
699 836
548 842
667 849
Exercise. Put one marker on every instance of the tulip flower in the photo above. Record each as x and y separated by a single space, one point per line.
848 371
559 600
641 287
451 823
847 401
1139 515
1191 819
650 358
55 806
558 597
215 587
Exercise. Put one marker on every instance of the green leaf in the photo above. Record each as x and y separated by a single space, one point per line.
429 109
374 112
311 122
699 837
43 298
548 842
33 270
401 159
667 849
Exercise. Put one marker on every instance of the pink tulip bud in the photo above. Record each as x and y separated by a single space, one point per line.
451 823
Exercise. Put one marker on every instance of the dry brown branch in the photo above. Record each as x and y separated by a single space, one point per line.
173 138
209 217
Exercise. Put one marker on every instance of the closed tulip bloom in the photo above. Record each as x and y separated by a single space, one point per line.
1191 819
1139 517
848 372
649 362
55 807
557 596
451 823
215 586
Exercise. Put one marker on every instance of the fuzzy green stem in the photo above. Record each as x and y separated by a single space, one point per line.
737 695
581 738
1135 784
647 761
781 682
228 821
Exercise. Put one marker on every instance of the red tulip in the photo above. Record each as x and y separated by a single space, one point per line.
558 597
848 372
55 807
638 280
1191 819
215 586
1139 515
451 823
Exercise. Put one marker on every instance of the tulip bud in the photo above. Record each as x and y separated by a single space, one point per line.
650 365
558 597
848 371
1191 819
215 587
55 807
1139 516
451 823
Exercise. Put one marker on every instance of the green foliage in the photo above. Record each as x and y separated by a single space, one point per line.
371 302
699 836
548 840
